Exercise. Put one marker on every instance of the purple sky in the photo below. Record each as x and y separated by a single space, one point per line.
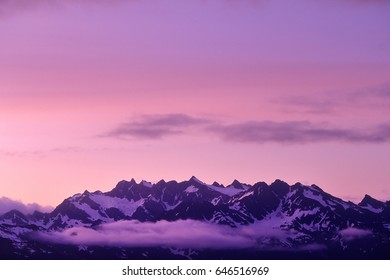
92 92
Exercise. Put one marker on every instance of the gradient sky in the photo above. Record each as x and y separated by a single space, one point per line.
93 92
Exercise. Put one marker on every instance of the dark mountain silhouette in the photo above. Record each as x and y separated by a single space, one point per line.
311 217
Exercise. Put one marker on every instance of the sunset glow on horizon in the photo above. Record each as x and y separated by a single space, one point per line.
96 92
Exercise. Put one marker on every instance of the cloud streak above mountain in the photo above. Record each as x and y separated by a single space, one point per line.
156 127
301 132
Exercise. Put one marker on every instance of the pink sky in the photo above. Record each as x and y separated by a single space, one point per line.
101 91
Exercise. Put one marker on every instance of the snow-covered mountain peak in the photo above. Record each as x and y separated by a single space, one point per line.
238 185
372 204
193 179
146 184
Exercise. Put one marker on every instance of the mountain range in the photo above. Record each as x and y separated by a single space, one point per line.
195 220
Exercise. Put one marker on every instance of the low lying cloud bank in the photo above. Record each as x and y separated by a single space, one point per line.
349 234
179 234
7 204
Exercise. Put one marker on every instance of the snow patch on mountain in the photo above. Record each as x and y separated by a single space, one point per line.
372 209
169 207
215 200
92 213
122 204
309 194
191 189
246 194
230 191
146 184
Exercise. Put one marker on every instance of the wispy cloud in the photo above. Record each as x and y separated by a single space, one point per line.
7 204
298 132
41 152
156 126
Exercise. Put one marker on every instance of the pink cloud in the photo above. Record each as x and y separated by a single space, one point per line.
159 126
7 204
299 132
156 126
